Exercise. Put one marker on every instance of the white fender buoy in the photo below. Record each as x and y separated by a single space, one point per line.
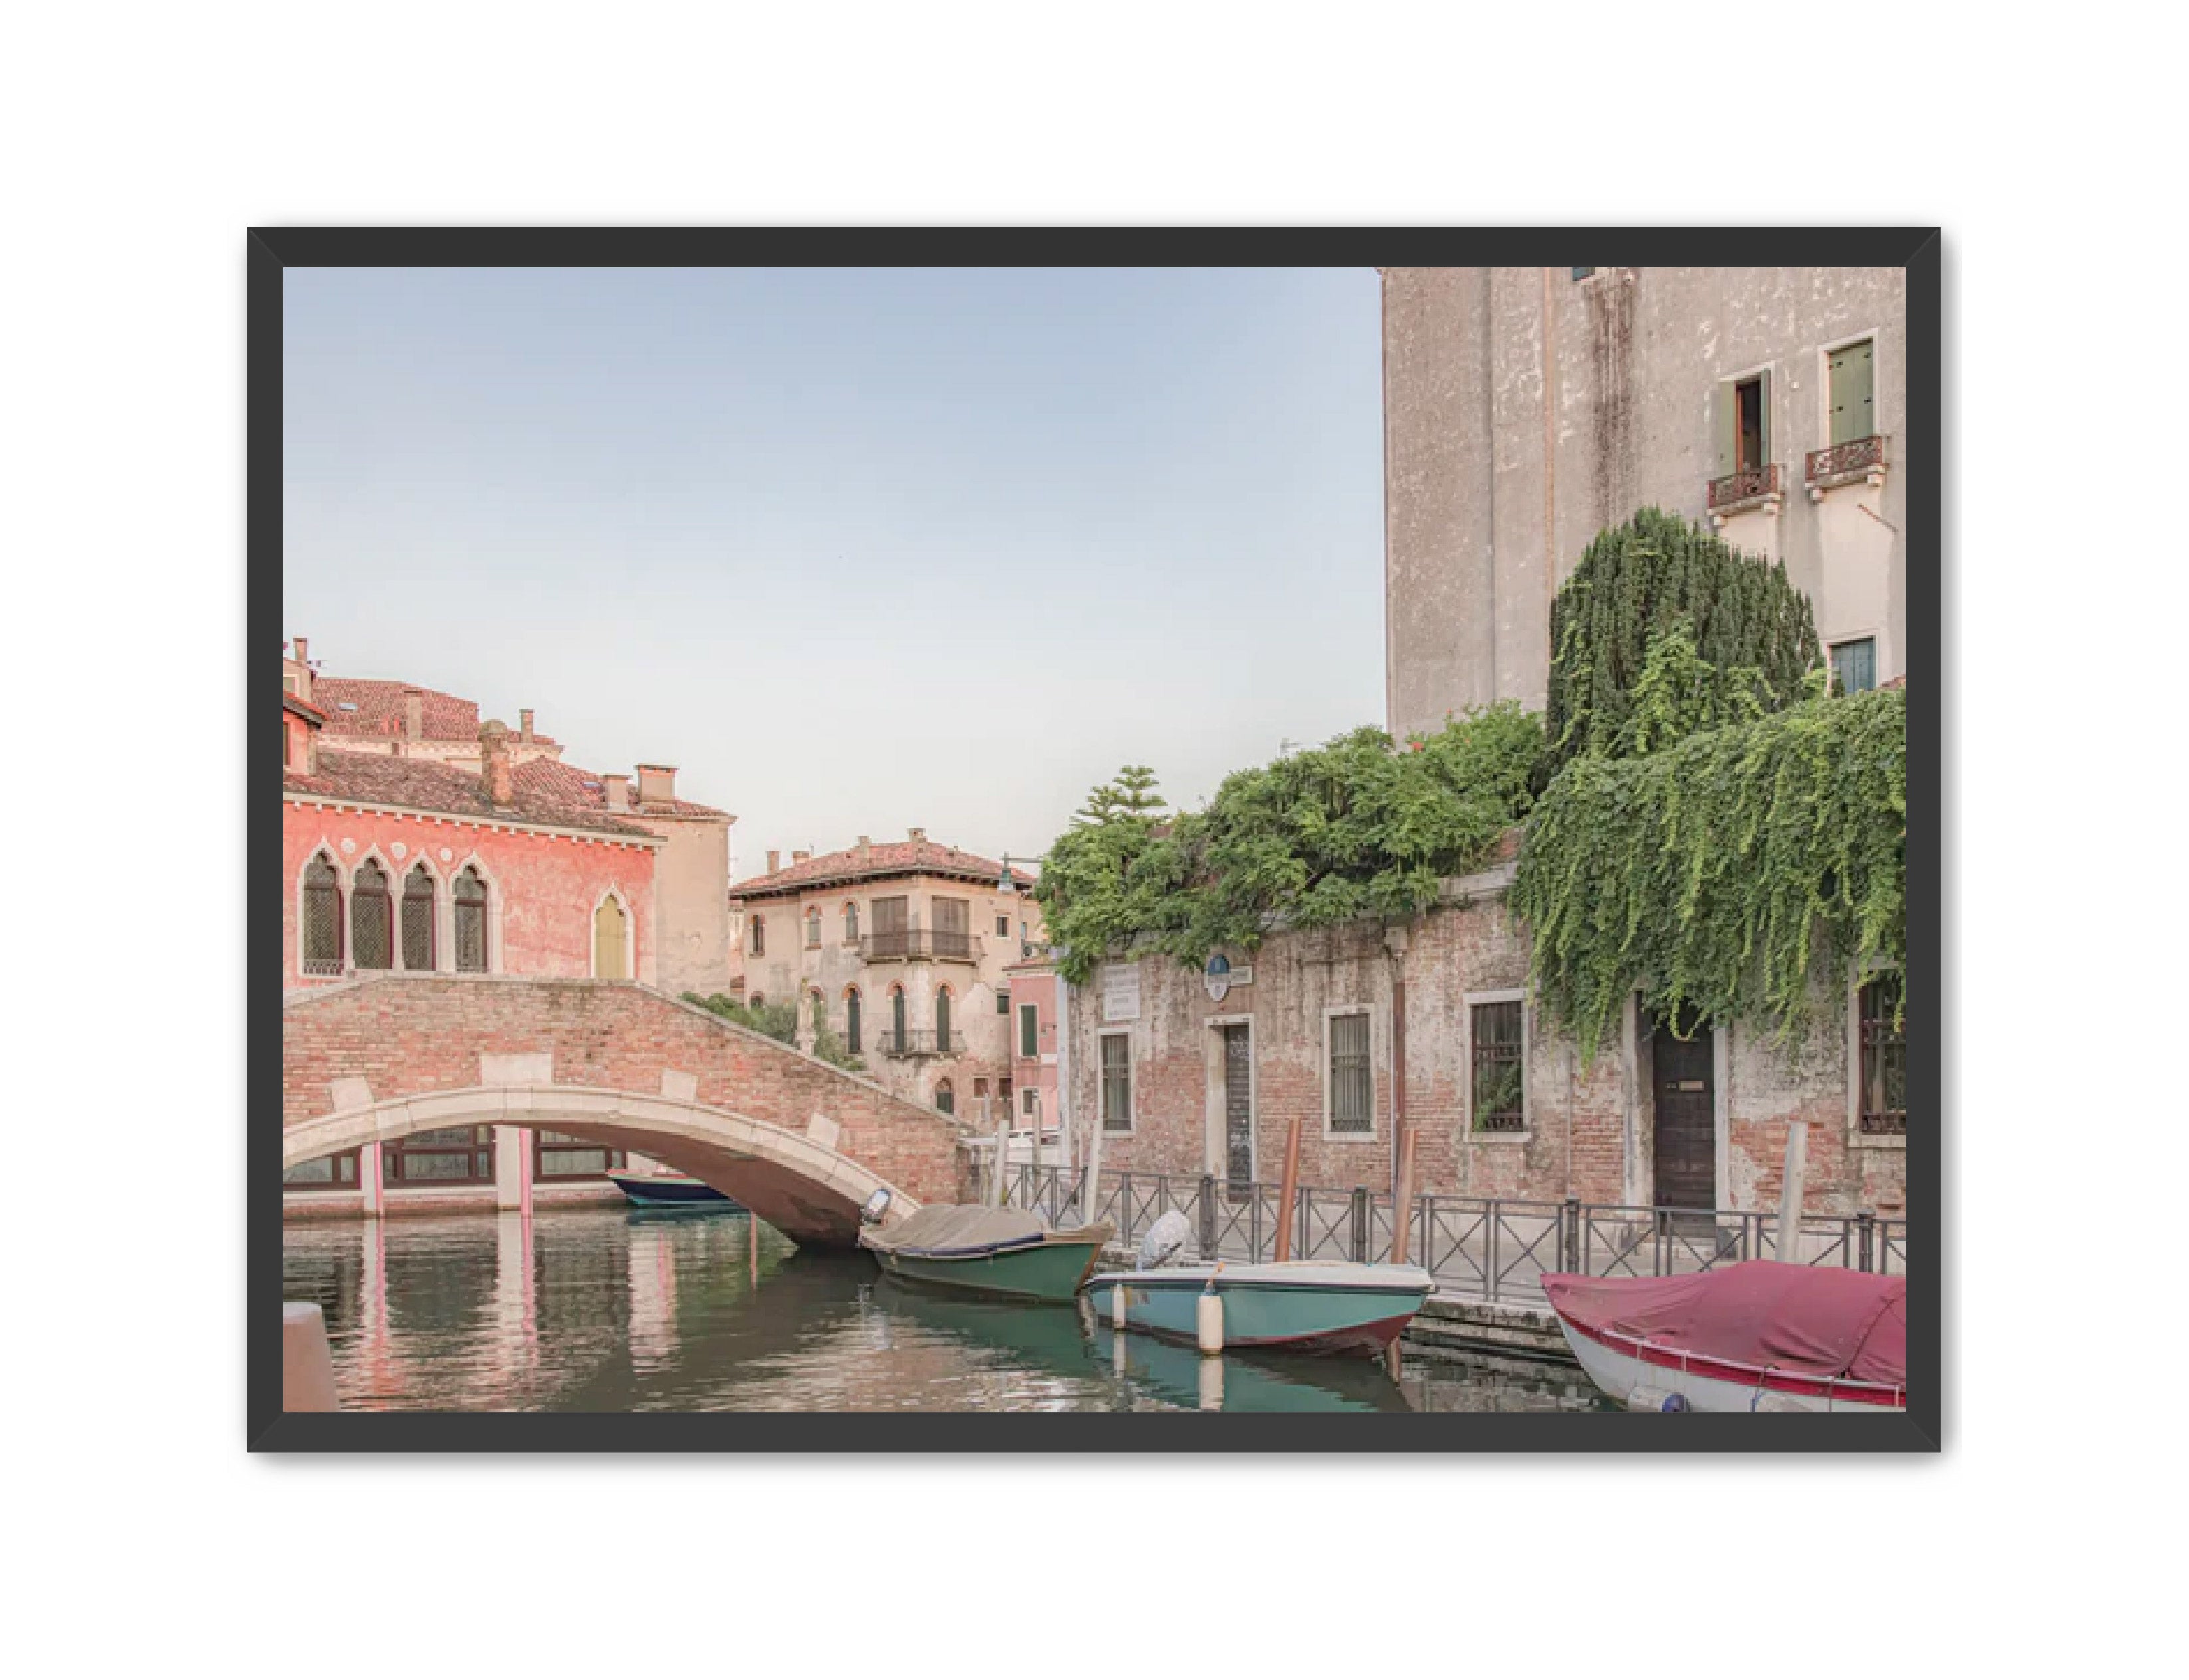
1208 1320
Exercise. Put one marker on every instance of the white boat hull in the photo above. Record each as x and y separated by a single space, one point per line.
1643 1385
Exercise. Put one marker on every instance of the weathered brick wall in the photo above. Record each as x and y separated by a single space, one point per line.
542 887
409 1036
1588 1131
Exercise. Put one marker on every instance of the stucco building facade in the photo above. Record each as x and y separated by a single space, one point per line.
907 945
1526 409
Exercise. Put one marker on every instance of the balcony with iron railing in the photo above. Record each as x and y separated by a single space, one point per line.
1751 489
920 944
1858 460
921 1041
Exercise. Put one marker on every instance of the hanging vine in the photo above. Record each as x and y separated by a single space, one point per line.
1724 873
1658 611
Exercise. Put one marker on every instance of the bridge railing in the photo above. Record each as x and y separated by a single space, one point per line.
1495 1248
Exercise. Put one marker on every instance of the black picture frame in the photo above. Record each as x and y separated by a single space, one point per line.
272 250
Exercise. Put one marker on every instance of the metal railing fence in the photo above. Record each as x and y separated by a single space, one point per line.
1493 1248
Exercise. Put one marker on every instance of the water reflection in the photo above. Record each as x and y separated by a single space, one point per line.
609 1310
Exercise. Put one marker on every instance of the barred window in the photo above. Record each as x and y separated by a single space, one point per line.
1499 1070
813 929
1117 1083
322 930
851 1020
418 918
469 895
1884 1059
759 938
1352 1089
1002 1000
371 917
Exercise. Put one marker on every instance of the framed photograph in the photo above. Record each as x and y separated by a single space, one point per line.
1050 839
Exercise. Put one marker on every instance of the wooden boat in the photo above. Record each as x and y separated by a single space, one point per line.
1759 1336
668 1189
990 1251
1301 1306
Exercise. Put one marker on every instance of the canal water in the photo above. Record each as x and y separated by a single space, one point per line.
611 1310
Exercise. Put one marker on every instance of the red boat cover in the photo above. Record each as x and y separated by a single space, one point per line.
1811 1318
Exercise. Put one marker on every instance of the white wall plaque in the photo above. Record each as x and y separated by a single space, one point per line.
1121 992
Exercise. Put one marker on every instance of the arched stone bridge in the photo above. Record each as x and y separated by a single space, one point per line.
801 1144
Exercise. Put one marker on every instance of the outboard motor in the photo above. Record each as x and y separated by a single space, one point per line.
877 1206
1165 1241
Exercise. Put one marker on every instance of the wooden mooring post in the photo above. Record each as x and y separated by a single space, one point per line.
1287 1190
1790 1194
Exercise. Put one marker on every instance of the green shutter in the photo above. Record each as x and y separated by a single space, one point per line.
1725 419
1853 393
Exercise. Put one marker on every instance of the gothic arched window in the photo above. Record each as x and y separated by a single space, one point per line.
851 1020
611 946
943 1022
469 895
321 927
371 917
418 918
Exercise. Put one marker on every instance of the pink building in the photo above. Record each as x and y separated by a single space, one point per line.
400 853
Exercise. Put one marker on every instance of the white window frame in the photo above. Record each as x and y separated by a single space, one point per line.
1329 1090
1466 1003
1876 640
1102 1091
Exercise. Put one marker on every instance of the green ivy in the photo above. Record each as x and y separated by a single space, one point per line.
1720 873
1662 630
1357 827
779 1022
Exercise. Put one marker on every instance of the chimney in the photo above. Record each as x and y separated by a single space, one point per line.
493 762
918 834
619 790
297 641
524 723
864 854
774 862
656 783
799 856
414 715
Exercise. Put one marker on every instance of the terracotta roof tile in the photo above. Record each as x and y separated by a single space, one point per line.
359 706
424 784
893 857
569 785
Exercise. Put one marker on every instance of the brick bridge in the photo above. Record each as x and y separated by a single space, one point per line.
800 1143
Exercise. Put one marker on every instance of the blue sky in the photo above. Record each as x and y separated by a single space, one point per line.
857 550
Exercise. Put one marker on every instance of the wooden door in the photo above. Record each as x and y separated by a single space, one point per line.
1238 1107
1685 1117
